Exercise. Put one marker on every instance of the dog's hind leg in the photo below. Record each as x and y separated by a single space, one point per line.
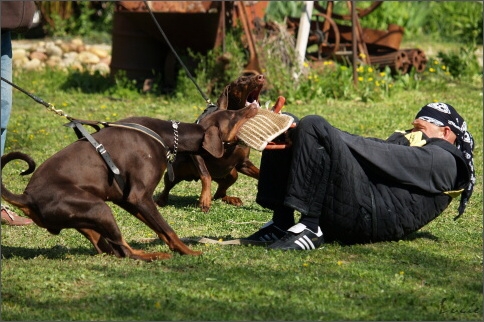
99 243
120 248
162 199
223 185
99 226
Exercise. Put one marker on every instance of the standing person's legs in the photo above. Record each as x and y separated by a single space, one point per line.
6 89
8 216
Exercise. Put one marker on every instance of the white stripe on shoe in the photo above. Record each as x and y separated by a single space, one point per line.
305 243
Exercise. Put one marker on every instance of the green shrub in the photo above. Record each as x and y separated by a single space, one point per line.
461 63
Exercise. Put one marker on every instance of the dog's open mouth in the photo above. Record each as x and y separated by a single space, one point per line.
253 97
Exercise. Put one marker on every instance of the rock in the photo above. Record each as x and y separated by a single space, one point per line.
87 57
18 53
99 52
102 68
54 61
33 64
52 50
39 55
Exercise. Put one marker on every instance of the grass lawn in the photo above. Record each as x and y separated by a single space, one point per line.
435 274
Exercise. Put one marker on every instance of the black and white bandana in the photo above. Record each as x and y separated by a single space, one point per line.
443 114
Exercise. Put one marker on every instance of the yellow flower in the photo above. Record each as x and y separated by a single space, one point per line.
370 70
64 104
360 69
157 305
305 264
431 70
340 263
436 62
443 67
382 74
220 240
362 55
377 83
360 79
370 79
305 64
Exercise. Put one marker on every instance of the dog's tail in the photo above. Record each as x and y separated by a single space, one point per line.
19 200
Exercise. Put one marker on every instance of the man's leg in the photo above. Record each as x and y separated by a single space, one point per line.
6 89
271 190
7 216
321 160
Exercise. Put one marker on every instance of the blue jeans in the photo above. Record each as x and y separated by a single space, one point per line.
6 89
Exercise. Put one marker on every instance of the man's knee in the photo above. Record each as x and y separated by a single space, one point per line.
313 120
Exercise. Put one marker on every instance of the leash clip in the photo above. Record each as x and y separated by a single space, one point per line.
170 156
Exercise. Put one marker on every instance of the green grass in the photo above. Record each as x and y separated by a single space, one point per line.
435 274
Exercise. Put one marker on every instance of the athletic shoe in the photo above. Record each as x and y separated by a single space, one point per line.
299 237
268 234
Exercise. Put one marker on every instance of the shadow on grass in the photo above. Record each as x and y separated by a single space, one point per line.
421 235
180 201
88 83
56 252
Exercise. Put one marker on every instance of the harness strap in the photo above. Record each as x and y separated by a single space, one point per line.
170 156
140 128
101 150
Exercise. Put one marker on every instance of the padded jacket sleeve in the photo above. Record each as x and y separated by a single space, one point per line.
430 168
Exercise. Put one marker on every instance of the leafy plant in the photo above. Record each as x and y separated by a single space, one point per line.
461 63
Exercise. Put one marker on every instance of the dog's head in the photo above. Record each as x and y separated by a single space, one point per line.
222 126
242 92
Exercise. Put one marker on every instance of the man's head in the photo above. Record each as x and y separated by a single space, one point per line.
434 131
441 120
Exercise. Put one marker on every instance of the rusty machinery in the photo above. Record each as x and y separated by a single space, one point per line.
139 49
380 48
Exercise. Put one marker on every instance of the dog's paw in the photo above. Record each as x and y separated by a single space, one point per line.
234 201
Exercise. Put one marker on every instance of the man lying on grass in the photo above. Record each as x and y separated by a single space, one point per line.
357 190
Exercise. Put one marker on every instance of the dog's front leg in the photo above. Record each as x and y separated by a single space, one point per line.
146 211
206 195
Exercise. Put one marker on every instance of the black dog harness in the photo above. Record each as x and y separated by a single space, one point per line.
81 132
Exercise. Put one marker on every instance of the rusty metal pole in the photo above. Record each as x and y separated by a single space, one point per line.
353 43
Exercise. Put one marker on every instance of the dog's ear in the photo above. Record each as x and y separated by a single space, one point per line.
212 142
223 101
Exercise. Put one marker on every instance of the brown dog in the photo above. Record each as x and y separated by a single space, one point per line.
243 91
70 189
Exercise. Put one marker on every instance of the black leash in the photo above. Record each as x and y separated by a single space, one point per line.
39 100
